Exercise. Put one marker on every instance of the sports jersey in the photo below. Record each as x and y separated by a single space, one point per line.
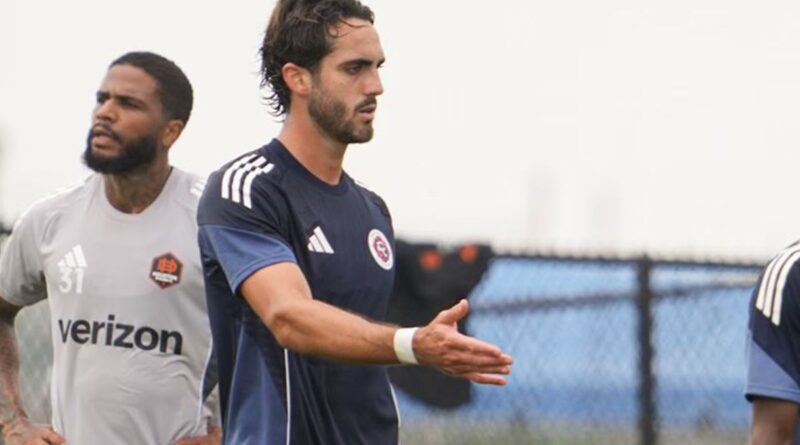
265 208
773 350
128 315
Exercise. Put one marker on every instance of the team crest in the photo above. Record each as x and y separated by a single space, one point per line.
380 249
166 270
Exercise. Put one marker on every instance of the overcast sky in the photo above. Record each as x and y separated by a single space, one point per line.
618 126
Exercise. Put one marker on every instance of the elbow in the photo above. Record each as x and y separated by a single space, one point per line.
283 327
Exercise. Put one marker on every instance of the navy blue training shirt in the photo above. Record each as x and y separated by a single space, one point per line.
265 208
773 350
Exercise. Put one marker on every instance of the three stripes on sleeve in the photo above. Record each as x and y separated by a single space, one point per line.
237 181
773 282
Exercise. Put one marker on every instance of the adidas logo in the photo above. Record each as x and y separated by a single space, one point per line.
319 243
237 181
72 268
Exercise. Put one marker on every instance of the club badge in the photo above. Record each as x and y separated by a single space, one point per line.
166 270
380 249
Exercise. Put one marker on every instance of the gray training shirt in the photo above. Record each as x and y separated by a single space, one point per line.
130 330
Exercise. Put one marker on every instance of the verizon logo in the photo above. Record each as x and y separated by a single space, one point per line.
120 335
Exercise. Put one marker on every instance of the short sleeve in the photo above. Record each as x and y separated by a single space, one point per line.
773 350
246 199
243 220
241 253
22 279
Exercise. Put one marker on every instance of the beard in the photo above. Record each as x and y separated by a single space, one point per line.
133 154
331 115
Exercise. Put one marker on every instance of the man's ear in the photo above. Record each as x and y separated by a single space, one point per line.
297 78
171 132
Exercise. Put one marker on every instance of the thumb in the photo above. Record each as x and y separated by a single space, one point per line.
452 315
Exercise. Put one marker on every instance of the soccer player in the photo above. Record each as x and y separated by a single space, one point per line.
299 258
117 259
773 378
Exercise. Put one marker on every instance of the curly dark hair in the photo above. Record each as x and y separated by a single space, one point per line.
174 88
299 32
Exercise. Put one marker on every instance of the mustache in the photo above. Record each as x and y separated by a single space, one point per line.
103 129
367 102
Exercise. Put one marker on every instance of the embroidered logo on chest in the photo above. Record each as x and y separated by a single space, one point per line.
166 270
318 242
380 249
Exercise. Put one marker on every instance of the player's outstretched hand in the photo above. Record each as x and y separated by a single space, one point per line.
439 344
214 437
24 432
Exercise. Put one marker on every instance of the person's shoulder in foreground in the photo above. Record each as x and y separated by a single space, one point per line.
773 351
117 260
299 258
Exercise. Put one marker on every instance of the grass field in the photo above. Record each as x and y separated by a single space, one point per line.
492 433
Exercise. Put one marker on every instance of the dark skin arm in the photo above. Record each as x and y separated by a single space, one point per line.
774 421
10 402
16 426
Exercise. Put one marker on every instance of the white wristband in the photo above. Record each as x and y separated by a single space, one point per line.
404 345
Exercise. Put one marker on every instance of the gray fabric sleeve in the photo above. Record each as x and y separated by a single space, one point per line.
21 276
211 408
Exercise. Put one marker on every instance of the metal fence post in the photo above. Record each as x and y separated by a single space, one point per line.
648 434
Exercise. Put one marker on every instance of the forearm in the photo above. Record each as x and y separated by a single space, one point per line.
10 402
312 327
281 297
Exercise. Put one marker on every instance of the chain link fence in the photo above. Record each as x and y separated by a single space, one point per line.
608 351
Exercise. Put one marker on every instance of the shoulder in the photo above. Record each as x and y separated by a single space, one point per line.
372 196
778 290
249 185
187 188
183 194
236 180
44 212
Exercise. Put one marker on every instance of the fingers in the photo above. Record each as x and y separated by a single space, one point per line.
452 315
492 368
462 356
53 438
481 349
486 379
29 434
466 366
213 438
191 441
463 349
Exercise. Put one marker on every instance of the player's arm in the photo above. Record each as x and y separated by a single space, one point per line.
214 437
773 356
17 428
10 402
774 421
281 297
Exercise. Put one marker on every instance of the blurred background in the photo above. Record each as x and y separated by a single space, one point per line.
630 164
